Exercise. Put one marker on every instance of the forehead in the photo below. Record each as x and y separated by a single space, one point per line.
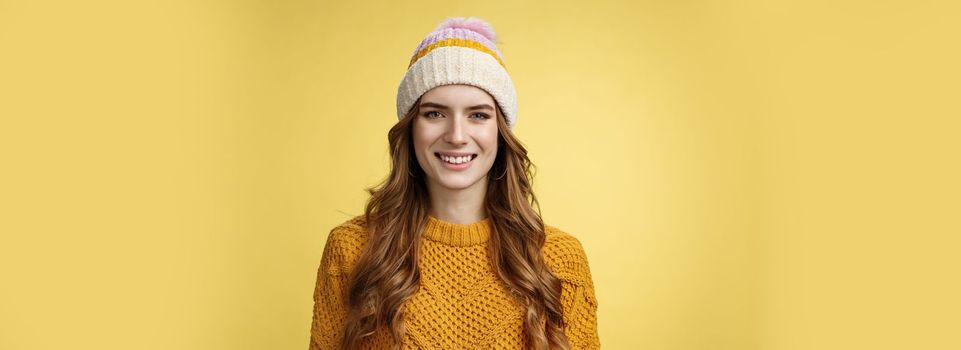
457 95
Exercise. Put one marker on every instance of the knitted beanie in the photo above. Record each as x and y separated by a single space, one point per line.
460 51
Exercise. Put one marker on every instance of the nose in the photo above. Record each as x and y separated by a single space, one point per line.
456 135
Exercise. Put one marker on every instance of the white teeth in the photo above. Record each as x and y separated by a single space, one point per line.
456 160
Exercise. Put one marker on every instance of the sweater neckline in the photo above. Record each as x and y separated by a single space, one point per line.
460 235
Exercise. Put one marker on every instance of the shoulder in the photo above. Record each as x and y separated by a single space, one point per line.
565 256
344 244
354 228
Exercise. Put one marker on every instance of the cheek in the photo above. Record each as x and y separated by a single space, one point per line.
420 145
488 140
421 138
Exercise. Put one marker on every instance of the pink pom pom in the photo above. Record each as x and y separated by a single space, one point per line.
471 23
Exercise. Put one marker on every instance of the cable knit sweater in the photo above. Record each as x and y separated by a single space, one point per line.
460 304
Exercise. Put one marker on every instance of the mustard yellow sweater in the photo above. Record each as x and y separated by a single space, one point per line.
460 303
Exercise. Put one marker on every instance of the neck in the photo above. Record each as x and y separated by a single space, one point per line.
459 206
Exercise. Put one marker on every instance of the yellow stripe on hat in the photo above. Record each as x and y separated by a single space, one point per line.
456 42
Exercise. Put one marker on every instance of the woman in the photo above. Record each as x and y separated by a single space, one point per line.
450 253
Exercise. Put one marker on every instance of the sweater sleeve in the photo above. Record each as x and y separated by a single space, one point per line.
580 315
330 292
567 259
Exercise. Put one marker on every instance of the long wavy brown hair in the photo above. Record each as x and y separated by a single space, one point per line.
386 273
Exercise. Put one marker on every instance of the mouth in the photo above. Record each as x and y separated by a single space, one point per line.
456 161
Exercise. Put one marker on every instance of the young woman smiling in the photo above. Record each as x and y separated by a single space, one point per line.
450 252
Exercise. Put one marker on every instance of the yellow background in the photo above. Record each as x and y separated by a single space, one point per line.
742 174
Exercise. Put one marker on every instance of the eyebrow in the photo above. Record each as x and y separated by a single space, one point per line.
440 106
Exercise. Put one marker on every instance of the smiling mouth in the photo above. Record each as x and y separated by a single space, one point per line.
455 160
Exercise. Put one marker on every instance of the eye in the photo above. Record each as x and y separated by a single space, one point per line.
481 116
432 114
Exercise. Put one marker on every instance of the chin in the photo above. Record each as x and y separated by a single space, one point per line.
457 183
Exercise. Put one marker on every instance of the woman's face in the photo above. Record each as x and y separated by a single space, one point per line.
455 136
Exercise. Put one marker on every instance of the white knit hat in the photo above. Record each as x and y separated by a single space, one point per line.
460 51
